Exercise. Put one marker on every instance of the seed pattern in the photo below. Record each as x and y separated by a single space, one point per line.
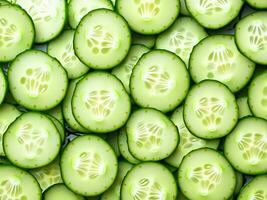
40 10
89 165
210 111
259 195
210 7
9 33
258 36
11 189
253 146
148 8
100 41
208 176
36 81
32 139
68 57
148 190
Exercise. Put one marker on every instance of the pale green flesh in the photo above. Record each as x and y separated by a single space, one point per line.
3 2
59 127
207 173
112 139
3 86
243 107
62 49
257 3
146 40
56 112
184 10
239 182
60 192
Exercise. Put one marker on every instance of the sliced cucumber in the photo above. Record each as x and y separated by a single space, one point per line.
159 80
100 103
3 86
239 182
32 78
210 110
16 32
246 146
88 165
3 3
146 40
181 37
205 174
112 140
57 113
59 127
62 49
184 10
243 107
31 141
258 4
102 39
221 61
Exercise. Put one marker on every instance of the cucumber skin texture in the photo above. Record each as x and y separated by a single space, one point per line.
2 76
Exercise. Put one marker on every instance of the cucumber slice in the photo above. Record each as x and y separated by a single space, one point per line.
181 37
159 80
239 182
184 10
60 192
149 180
31 141
62 49
210 110
255 189
243 107
250 36
188 142
246 146
88 165
56 112
257 95
221 61
148 16
124 70
3 3
102 39
32 78
151 135
3 86
146 40
100 103
205 174
112 140
77 9
49 17
214 14
16 32
8 114
258 4
59 127
18 184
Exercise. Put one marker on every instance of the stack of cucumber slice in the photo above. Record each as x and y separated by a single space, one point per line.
133 99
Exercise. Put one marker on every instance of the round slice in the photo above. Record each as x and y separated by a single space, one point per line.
16 32
246 146
243 107
205 174
102 39
3 86
37 81
258 4
148 16
257 95
88 165
214 14
251 36
100 103
62 49
151 135
18 184
146 40
31 141
159 80
210 110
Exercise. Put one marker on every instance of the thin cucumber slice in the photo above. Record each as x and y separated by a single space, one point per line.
67 110
151 135
239 182
124 147
31 141
210 110
146 40
255 189
250 36
149 180
221 61
32 78
112 140
246 146
88 165
205 174
16 32
113 193
3 86
184 10
188 141
18 184
56 112
148 16
48 175
102 39
60 192
159 80
181 37
258 4
214 14
243 107
124 70
49 17
62 49
8 114
257 95
59 127
77 9
100 103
